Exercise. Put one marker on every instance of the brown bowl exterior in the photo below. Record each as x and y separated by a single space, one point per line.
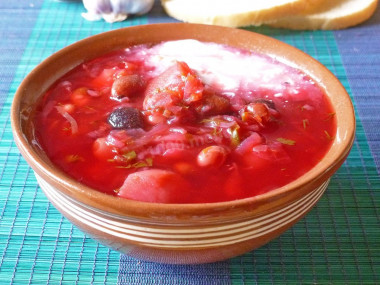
179 233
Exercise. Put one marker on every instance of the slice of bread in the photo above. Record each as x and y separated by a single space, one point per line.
334 14
236 13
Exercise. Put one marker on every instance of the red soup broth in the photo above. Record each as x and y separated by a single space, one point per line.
185 122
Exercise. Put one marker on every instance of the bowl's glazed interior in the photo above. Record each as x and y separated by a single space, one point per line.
45 74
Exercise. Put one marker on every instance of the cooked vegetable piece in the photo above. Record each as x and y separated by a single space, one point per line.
80 97
155 185
103 150
73 123
177 86
255 113
213 105
248 143
267 102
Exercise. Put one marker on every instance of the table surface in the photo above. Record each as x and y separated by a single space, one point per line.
337 242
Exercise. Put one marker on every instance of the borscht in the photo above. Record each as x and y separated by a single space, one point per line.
185 122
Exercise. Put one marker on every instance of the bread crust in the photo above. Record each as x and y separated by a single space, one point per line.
211 11
321 19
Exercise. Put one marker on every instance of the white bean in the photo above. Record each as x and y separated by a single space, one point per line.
212 156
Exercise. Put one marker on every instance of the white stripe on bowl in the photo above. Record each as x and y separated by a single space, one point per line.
143 234
69 202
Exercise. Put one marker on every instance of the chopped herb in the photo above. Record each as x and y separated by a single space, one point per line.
149 161
139 164
305 123
245 116
330 116
328 136
286 141
235 137
215 122
93 123
73 158
130 155
129 142
90 108
167 113
142 163
277 121
216 132
126 167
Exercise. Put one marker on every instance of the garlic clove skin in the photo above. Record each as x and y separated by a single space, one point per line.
137 7
115 10
112 18
91 16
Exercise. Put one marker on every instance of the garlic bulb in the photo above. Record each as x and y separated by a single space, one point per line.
115 10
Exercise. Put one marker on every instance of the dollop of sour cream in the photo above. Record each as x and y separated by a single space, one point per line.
225 68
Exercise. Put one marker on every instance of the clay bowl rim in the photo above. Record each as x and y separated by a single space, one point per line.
47 73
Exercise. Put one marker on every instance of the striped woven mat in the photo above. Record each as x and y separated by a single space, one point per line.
337 242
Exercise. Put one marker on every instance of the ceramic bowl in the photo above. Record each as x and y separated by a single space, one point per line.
179 233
